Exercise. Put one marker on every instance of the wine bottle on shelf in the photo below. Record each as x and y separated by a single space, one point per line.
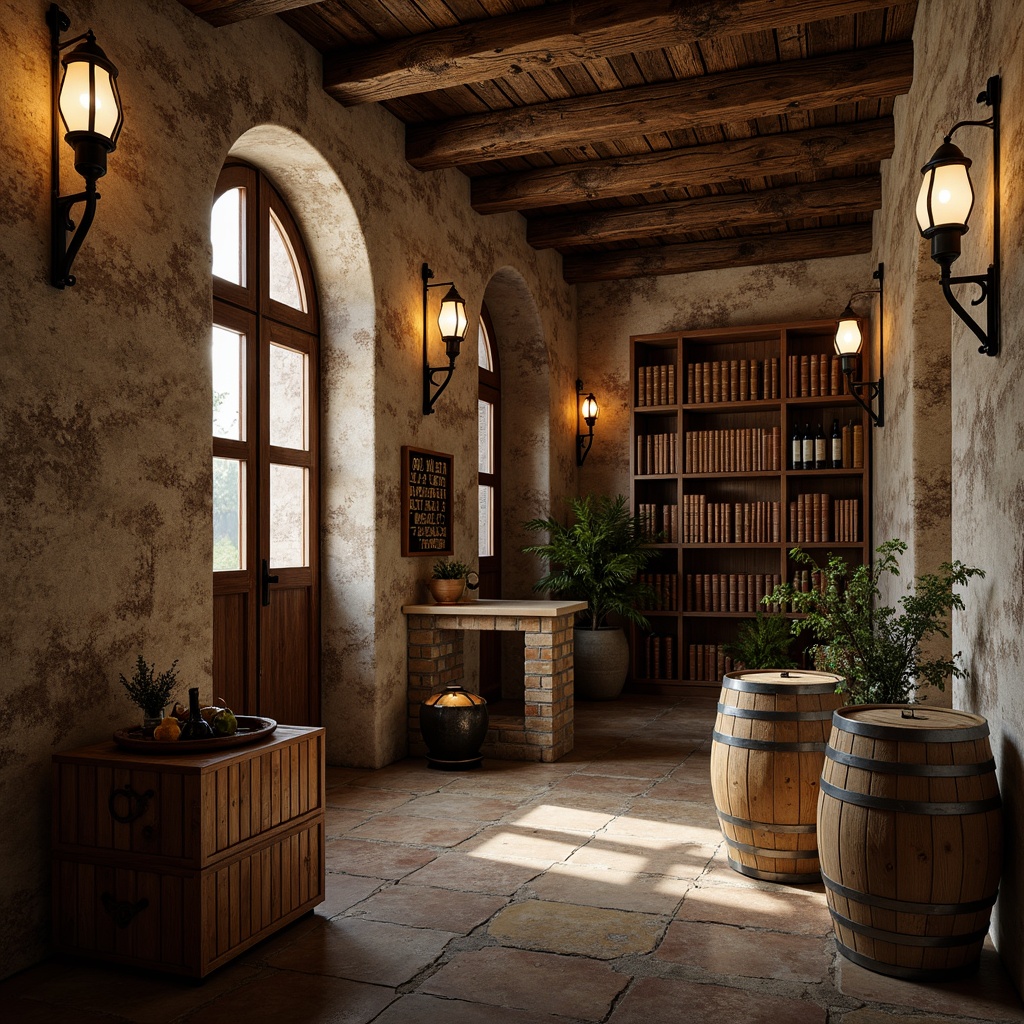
808 447
837 445
196 728
797 448
819 448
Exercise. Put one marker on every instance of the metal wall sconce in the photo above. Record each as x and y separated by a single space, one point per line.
943 208
849 341
587 410
87 102
452 323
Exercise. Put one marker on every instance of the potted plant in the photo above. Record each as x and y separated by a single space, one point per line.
447 581
762 642
150 691
877 648
596 558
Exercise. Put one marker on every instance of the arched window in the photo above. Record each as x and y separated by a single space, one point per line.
489 495
265 356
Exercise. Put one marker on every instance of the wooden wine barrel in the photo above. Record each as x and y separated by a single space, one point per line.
766 757
909 827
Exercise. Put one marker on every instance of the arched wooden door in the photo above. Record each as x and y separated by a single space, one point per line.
265 355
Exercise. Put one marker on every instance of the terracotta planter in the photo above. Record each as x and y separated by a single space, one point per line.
601 662
446 591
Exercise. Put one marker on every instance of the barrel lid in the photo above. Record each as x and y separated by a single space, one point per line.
774 680
910 723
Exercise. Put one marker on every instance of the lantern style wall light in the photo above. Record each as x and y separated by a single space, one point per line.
587 410
86 100
848 343
944 206
452 323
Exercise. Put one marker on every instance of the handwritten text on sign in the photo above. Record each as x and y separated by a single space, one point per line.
426 502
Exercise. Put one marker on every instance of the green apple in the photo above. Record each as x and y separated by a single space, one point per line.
224 722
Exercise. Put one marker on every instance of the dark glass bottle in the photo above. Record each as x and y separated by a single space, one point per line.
796 449
808 447
819 449
196 728
837 446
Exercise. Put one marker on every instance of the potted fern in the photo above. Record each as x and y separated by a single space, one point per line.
447 581
596 558
762 642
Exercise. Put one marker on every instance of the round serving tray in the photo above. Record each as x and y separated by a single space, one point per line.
250 729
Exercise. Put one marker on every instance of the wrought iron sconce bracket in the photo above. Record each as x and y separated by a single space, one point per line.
432 388
583 441
866 392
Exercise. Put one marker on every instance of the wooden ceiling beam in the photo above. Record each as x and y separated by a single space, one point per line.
551 36
786 247
227 12
734 160
774 89
827 198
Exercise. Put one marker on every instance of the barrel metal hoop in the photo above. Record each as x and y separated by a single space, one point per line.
772 876
884 803
775 716
781 748
759 851
905 906
767 826
895 732
899 939
779 689
906 973
935 771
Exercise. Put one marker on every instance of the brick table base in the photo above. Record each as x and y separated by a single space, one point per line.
545 731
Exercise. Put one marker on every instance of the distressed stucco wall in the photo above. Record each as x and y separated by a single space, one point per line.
958 45
105 394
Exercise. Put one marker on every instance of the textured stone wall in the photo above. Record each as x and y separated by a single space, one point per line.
105 393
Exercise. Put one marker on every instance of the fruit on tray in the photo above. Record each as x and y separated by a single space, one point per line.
224 722
167 730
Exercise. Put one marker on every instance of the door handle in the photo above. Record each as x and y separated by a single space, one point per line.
267 580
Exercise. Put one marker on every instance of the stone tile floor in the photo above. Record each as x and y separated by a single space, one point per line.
594 889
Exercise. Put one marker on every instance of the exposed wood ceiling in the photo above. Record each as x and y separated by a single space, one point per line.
637 138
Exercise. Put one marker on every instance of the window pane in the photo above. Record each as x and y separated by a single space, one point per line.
485 436
227 235
285 282
228 509
484 347
486 521
228 365
288 398
288 489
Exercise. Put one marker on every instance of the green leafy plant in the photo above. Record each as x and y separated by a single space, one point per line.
449 569
596 558
875 647
762 642
150 691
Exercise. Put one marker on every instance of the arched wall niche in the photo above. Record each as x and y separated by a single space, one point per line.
335 241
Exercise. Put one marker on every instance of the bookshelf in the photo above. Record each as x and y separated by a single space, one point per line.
712 474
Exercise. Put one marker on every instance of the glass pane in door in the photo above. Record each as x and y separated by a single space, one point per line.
486 522
288 410
288 516
228 513
228 367
285 280
227 235
485 436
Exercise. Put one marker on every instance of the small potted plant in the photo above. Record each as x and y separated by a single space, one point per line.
447 581
876 647
762 642
151 691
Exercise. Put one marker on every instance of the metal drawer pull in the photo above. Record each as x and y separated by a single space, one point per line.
137 804
122 911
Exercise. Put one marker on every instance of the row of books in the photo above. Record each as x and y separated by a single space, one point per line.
732 380
656 385
661 521
817 518
741 522
730 592
739 450
666 589
656 453
709 661
814 376
657 659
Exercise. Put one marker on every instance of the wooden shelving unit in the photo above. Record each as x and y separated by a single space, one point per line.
712 420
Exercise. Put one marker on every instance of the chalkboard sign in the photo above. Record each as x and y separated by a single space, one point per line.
426 502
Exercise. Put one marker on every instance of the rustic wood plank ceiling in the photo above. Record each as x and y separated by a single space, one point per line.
637 138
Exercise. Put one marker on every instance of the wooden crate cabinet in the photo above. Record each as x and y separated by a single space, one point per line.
180 862
707 437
